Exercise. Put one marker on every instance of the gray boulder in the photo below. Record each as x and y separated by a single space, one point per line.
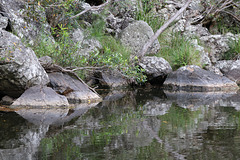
6 100
40 97
85 44
26 21
194 79
230 69
136 35
75 90
115 25
218 45
3 22
156 68
19 66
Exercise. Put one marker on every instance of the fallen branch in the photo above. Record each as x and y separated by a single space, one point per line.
91 8
161 29
82 68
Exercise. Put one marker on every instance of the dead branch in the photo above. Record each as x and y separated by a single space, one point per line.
238 19
90 9
161 29
82 68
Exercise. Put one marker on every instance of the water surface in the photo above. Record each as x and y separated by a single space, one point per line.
140 124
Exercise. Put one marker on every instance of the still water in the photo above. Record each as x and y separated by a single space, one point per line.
141 124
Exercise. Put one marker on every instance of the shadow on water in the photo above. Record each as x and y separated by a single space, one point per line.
138 124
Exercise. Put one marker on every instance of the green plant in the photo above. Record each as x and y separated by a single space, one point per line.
179 51
234 50
146 14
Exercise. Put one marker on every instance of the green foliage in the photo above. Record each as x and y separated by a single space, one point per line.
62 51
115 56
234 50
179 51
147 14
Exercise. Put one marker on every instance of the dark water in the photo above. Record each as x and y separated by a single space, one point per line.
140 124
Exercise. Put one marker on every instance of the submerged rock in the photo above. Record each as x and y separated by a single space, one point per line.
156 69
230 69
75 90
19 66
194 79
136 35
6 100
40 97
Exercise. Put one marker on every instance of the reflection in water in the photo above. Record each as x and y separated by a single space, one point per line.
128 125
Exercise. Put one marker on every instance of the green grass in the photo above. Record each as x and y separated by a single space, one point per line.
234 50
179 51
147 14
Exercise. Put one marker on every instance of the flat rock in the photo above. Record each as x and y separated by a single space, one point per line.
194 79
72 88
40 97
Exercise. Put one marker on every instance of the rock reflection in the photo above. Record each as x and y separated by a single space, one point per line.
194 100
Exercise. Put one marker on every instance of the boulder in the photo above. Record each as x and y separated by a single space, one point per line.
230 69
194 79
85 44
6 100
111 79
75 90
218 45
27 21
3 22
40 97
136 35
19 66
115 25
156 68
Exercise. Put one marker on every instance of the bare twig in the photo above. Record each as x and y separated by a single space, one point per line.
91 8
238 19
161 29
81 68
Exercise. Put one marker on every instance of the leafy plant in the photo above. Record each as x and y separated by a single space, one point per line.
234 50
178 51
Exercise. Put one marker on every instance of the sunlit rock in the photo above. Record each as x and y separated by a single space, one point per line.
19 66
194 79
40 97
